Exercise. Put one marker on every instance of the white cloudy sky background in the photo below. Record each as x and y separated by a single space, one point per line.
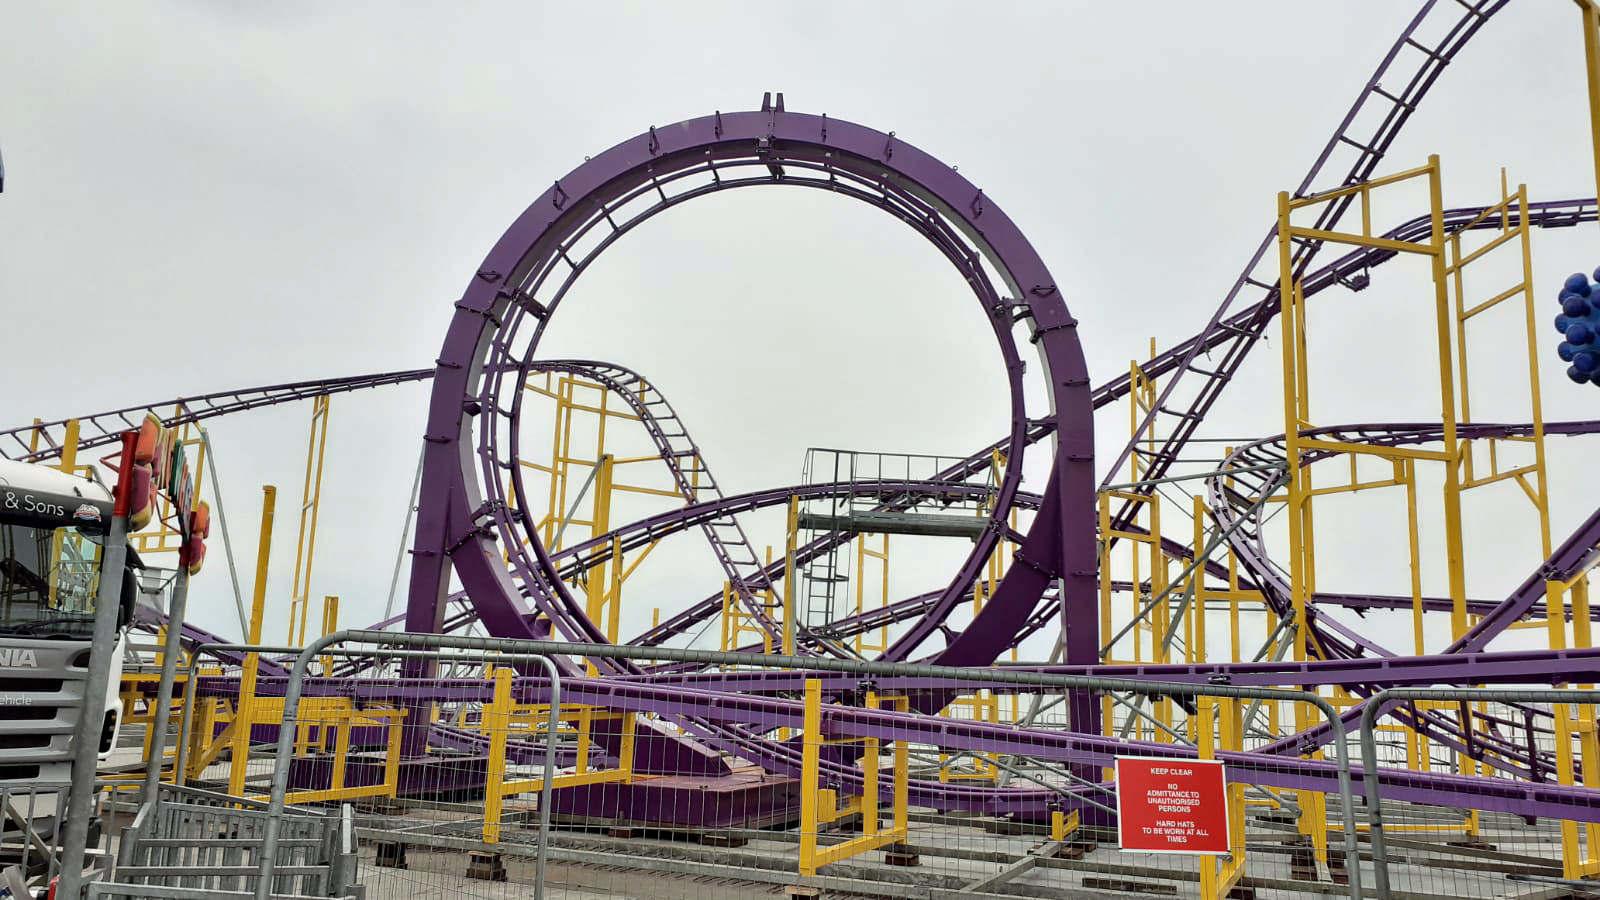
207 196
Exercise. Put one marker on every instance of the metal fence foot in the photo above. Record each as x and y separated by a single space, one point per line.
486 867
1303 862
380 806
392 855
1337 873
1129 886
901 855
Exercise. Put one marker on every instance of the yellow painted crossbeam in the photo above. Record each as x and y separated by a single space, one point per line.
1361 240
531 785
1374 450
497 725
854 847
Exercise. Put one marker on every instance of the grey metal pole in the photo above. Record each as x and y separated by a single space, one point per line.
549 773
222 523
530 648
1352 854
1369 780
91 715
169 668
405 529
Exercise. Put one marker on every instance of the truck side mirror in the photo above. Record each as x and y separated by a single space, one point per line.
128 598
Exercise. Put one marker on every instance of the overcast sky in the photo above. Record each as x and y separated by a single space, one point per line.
203 196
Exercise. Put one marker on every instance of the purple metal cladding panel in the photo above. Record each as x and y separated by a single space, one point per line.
749 798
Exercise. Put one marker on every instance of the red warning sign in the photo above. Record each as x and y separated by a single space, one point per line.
1171 805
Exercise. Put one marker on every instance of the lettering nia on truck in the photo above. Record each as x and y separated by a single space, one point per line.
18 658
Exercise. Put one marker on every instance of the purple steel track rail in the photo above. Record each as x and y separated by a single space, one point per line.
1576 552
102 429
1411 61
691 474
1552 214
535 260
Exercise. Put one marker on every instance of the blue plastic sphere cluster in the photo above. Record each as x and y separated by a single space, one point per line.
1579 323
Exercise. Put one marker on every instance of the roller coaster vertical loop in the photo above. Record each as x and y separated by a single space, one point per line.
466 514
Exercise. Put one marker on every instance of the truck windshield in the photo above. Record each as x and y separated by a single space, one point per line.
49 580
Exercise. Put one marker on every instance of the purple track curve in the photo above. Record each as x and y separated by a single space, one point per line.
470 476
464 498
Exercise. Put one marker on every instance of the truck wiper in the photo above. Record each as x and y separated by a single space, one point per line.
34 626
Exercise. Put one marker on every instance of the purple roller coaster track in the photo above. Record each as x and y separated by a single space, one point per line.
478 557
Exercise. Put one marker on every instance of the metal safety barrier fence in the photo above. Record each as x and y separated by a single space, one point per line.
30 831
206 841
744 775
798 774
32 820
1521 743
347 745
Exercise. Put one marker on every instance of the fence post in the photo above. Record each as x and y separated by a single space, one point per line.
1352 853
1374 802
155 757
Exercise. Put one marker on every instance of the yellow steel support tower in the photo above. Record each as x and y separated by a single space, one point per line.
739 625
983 705
871 643
1590 9
1222 728
306 544
790 579
504 717
583 480
1466 463
240 729
820 806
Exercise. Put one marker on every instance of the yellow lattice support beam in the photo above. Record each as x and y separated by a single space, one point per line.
1218 876
310 503
240 729
503 716
820 806
1591 58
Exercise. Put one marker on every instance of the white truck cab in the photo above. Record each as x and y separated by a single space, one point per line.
51 527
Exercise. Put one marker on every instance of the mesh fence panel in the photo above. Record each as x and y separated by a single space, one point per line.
1511 743
849 781
740 780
